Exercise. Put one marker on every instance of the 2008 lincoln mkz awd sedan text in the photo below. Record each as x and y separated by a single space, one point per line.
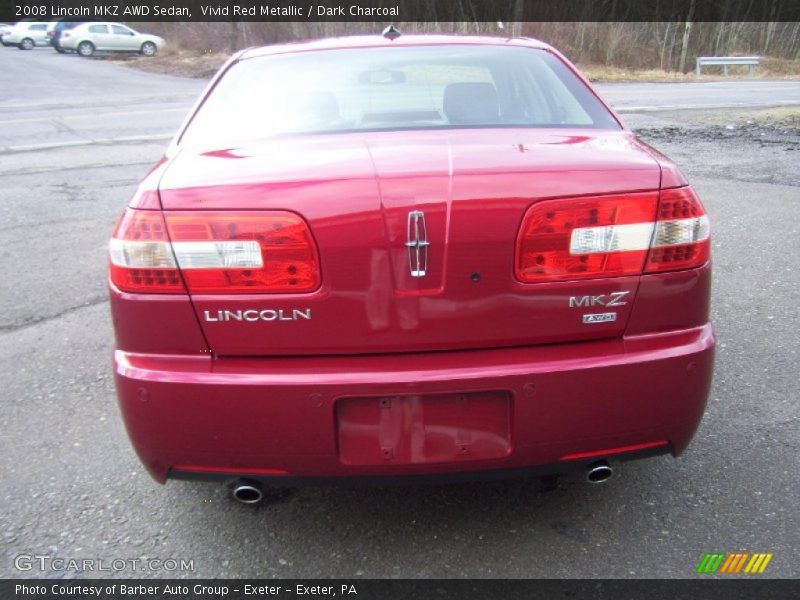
382 258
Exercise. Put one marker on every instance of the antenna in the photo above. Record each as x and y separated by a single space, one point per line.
391 33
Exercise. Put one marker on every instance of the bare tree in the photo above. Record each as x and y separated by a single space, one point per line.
686 31
519 15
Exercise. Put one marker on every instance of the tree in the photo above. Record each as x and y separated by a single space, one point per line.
686 31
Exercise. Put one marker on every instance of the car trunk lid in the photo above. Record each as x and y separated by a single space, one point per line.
416 237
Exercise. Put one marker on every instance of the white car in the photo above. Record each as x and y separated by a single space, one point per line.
25 35
5 30
89 38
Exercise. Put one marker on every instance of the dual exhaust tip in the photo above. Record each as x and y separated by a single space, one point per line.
599 472
247 492
250 492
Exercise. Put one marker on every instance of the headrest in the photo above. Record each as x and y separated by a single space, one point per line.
471 103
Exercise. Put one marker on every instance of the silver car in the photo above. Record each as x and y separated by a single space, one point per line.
25 35
89 38
5 30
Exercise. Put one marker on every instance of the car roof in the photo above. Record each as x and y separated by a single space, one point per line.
372 41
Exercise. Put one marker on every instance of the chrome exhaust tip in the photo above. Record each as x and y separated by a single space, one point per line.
599 472
247 492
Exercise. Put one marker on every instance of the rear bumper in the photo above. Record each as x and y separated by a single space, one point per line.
570 404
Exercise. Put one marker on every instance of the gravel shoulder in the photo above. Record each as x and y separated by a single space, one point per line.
760 146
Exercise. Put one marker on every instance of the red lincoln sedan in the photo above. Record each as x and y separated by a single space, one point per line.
383 258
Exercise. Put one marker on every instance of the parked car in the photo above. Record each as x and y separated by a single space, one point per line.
440 257
5 29
26 35
88 38
55 30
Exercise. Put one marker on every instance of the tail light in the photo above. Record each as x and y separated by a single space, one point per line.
213 253
612 236
682 233
141 257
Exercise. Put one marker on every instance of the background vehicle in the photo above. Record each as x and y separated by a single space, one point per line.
426 256
88 38
5 29
25 35
56 29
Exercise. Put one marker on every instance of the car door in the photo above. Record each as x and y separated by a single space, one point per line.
123 38
38 33
100 37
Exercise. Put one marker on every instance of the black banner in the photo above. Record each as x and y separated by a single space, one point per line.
401 10
397 589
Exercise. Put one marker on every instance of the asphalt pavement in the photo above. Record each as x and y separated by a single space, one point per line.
654 97
76 136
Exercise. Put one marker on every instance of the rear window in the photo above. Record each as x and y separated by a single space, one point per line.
405 87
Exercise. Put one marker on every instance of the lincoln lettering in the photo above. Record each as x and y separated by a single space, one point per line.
258 315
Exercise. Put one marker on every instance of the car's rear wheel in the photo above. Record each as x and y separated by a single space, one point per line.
27 44
149 49
86 48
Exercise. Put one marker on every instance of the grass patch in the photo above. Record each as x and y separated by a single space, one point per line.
180 63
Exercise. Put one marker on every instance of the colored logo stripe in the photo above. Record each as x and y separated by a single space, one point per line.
734 562
710 563
758 563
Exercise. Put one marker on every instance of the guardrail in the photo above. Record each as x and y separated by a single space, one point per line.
725 61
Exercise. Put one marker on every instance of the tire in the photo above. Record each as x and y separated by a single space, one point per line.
27 44
86 48
148 49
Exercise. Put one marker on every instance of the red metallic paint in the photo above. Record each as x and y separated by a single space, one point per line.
671 176
278 398
669 301
474 187
279 413
420 429
156 324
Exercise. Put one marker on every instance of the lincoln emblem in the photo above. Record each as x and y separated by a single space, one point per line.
417 243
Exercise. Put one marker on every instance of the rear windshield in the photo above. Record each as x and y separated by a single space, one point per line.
405 87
